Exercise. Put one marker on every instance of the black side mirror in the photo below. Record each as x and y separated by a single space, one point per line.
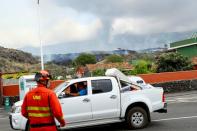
61 95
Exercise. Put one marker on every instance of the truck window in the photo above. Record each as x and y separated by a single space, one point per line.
76 89
101 86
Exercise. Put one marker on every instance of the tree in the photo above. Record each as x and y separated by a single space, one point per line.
114 59
170 62
141 67
99 72
56 70
84 59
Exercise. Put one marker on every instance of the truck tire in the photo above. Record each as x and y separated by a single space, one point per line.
137 118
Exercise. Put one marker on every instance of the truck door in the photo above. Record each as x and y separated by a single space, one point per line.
105 99
76 108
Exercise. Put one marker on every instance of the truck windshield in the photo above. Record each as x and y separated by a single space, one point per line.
58 88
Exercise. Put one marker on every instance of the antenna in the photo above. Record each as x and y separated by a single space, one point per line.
39 36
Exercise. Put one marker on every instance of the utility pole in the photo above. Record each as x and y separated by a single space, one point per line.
39 36
1 90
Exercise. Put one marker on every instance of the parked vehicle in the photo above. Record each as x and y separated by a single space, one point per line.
109 99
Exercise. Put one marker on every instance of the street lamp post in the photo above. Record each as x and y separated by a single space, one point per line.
39 35
1 90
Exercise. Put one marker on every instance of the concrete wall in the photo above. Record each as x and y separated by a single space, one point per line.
178 86
169 76
11 90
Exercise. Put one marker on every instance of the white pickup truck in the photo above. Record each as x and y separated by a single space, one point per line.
109 99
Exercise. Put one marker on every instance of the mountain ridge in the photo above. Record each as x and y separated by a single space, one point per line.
13 60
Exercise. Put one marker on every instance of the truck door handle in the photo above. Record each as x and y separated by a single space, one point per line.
113 96
86 100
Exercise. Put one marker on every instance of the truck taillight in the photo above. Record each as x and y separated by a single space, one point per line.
163 98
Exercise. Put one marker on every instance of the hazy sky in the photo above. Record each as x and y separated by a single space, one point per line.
95 24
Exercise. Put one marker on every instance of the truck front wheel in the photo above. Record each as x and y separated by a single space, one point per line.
137 118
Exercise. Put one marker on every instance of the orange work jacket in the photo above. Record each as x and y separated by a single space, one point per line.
40 106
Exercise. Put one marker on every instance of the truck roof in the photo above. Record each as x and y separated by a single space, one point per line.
90 78
111 73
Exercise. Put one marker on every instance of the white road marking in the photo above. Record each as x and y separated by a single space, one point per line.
176 118
182 99
188 98
4 118
170 100
182 102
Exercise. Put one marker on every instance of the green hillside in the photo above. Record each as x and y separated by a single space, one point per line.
12 60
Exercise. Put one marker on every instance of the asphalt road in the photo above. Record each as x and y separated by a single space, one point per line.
4 120
181 116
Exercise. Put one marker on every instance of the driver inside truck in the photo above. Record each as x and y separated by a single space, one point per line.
80 90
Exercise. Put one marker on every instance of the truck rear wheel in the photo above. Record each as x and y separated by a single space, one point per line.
137 118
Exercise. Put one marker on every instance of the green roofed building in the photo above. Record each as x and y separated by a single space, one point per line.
186 47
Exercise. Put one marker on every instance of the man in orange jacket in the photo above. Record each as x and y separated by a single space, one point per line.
41 106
